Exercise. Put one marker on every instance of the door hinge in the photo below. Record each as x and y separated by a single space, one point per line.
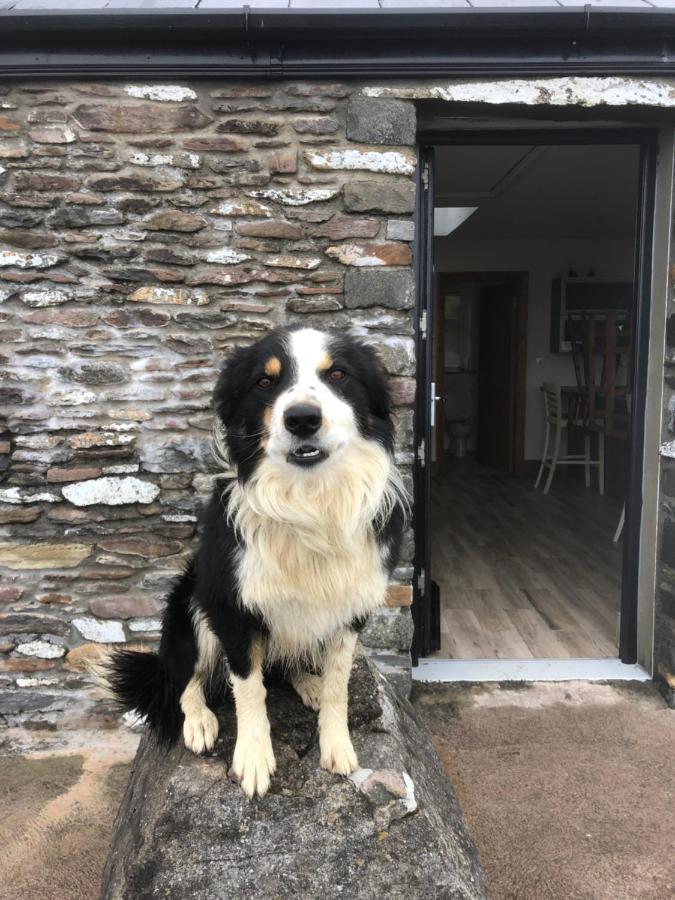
423 325
421 453
425 176
420 581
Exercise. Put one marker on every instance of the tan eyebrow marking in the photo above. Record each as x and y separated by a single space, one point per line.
273 367
325 362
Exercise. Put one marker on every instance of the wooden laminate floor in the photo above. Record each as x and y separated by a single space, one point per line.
523 575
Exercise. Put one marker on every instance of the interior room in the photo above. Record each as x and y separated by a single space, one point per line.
534 253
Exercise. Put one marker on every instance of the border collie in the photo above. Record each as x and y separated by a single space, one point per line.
294 553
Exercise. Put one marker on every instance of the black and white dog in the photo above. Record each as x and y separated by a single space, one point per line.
294 553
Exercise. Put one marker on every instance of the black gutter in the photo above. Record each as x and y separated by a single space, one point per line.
337 44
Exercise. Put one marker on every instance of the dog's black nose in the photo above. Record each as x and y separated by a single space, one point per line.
303 419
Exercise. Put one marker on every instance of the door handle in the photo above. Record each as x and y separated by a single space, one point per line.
434 400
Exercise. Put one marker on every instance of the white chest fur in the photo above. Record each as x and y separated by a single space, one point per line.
304 596
309 562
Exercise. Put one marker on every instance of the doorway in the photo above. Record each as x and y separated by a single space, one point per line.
534 277
487 312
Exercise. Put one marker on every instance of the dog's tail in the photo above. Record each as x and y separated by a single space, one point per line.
151 684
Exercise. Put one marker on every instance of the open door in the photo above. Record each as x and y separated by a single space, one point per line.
496 390
502 369
426 606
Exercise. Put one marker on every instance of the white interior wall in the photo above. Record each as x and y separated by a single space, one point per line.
544 260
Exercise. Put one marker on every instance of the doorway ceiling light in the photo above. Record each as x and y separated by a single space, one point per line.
449 218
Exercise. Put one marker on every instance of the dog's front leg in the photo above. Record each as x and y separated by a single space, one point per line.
253 762
337 753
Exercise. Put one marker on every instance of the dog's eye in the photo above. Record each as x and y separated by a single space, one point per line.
264 382
337 374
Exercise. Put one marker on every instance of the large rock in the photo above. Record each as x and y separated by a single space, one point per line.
394 829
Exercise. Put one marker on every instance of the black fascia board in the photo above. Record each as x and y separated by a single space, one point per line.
343 43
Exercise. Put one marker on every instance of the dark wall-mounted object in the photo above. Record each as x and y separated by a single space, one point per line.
589 296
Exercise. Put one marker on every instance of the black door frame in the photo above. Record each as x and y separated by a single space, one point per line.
425 594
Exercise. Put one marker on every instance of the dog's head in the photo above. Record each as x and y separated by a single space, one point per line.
301 398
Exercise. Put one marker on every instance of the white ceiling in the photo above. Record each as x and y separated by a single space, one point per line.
563 191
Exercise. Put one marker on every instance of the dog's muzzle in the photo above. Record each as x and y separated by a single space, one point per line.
303 421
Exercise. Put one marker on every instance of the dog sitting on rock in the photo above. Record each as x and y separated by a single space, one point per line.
294 553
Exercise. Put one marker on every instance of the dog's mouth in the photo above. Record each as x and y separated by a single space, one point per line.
306 455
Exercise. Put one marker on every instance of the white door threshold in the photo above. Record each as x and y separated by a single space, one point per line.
477 670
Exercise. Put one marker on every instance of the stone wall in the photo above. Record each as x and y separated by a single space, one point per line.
144 230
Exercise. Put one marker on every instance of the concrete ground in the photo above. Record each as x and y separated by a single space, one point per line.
59 794
568 789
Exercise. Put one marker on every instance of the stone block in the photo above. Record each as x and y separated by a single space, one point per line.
141 118
297 197
42 649
400 230
95 373
142 546
124 606
374 121
32 623
370 254
390 162
101 632
392 196
388 629
37 555
399 595
319 125
175 220
378 287
110 491
171 296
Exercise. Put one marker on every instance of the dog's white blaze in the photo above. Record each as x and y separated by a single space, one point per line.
307 349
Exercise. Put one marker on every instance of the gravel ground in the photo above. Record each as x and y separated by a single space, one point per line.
567 789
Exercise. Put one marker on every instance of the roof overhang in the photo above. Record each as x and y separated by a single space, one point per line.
345 43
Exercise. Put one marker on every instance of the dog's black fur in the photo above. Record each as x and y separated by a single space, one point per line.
152 683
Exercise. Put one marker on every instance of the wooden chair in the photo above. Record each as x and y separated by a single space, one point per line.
601 348
556 423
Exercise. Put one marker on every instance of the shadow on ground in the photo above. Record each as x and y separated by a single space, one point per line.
567 789
59 795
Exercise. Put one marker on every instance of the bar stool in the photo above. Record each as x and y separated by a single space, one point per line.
556 423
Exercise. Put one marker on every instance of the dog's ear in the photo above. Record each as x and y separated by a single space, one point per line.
375 375
231 383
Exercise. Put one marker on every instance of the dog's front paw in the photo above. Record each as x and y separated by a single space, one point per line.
200 730
338 756
253 765
309 689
